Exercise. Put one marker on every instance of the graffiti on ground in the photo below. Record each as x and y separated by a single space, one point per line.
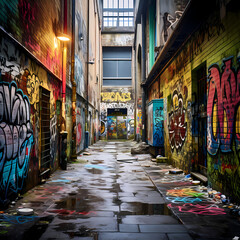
184 192
203 209
15 219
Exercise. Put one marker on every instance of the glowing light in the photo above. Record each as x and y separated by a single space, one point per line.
63 37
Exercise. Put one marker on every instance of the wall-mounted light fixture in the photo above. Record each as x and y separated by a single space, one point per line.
63 37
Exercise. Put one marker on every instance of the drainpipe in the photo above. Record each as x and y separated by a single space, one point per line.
143 74
87 99
135 87
74 96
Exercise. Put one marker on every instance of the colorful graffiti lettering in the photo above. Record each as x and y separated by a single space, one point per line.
184 192
16 138
53 135
177 125
222 108
204 209
116 96
103 128
185 199
79 133
17 219
158 121
79 75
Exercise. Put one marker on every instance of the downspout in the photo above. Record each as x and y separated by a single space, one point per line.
143 74
74 96
87 99
135 78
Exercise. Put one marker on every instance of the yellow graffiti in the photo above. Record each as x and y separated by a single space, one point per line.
184 192
116 96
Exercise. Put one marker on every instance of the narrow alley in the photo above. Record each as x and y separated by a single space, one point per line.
110 194
120 119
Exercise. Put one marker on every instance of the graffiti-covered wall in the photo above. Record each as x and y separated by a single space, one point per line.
80 124
117 99
20 118
24 20
201 89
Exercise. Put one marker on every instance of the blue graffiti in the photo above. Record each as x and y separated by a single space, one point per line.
17 219
185 199
16 139
101 167
158 124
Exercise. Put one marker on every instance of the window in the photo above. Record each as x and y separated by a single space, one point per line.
117 63
118 13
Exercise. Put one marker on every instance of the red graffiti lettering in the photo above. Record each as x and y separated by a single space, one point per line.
223 102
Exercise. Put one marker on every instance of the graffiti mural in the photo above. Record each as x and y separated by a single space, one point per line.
169 23
80 116
223 108
104 118
177 123
203 209
116 96
53 137
16 138
79 76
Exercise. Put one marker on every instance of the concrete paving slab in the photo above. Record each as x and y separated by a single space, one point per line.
128 228
132 236
163 228
179 236
152 219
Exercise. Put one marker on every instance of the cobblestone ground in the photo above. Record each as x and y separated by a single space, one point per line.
109 194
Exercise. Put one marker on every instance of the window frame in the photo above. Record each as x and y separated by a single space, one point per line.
116 15
105 59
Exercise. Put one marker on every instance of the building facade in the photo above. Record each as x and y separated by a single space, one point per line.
195 72
118 83
48 93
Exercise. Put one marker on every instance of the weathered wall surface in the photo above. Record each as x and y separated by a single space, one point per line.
216 44
81 46
120 40
20 134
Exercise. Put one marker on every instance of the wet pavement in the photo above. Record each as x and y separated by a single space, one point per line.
110 194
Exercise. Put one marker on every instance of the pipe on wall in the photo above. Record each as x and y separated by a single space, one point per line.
143 75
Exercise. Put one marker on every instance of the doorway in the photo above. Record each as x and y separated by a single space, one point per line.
199 89
117 123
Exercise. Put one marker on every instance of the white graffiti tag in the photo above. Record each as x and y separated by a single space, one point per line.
16 136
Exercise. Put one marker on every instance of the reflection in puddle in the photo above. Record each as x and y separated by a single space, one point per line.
80 201
138 208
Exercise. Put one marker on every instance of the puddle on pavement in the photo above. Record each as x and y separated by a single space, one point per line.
94 170
138 208
72 232
38 228
79 202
